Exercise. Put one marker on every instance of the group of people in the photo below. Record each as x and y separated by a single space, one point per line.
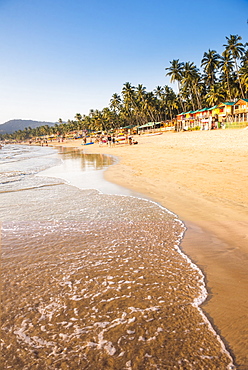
111 140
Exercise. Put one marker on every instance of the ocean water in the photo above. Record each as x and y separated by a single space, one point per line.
92 275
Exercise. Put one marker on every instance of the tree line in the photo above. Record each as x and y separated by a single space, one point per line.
223 77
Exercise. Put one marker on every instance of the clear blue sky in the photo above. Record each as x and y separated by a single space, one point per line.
62 57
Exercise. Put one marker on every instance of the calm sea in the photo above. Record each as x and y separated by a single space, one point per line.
92 275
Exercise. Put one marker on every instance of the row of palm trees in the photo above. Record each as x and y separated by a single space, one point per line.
135 106
222 78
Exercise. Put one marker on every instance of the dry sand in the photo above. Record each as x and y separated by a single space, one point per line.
202 177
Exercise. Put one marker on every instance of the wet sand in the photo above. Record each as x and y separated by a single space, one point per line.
201 177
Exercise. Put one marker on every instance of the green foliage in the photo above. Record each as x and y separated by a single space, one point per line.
196 128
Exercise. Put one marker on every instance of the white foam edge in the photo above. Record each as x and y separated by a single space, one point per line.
203 296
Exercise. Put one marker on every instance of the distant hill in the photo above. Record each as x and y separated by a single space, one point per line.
20 124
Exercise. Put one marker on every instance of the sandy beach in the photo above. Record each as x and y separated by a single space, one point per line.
202 177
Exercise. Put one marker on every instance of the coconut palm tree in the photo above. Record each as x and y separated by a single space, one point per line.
138 104
236 50
116 106
190 80
176 74
115 102
210 64
171 101
107 118
215 95
244 77
95 120
140 93
78 117
128 94
226 66
244 58
159 93
149 106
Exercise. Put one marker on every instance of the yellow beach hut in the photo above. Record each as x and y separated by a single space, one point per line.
225 112
240 111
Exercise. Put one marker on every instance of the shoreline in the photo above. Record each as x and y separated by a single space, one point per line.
201 177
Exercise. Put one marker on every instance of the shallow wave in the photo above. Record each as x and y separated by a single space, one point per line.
106 287
17 153
98 281
17 175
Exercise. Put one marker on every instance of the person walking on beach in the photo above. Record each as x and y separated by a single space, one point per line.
113 140
97 140
126 139
109 139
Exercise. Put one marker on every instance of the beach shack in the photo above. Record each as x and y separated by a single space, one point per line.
198 119
213 117
214 111
189 121
240 111
205 122
196 115
149 126
130 129
180 121
201 118
225 113
185 121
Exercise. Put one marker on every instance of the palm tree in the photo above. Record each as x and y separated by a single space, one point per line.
190 80
78 117
140 97
236 50
244 58
215 95
210 63
170 100
140 94
244 76
234 87
116 106
115 102
128 94
226 66
159 93
149 106
107 118
176 74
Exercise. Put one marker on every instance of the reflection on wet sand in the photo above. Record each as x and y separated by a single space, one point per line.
88 161
85 171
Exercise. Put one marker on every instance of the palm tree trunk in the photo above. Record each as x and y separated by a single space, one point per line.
228 85
192 94
240 85
197 97
180 98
